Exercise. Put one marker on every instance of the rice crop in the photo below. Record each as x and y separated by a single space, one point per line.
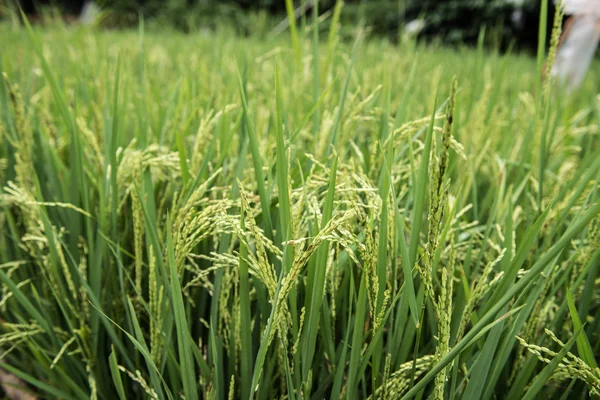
296 217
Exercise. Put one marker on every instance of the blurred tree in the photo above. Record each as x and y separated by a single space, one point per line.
449 21
460 21
34 6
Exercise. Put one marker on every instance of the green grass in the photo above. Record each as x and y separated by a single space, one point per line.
224 217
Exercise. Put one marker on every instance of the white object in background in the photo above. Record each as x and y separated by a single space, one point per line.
414 27
582 7
578 43
89 13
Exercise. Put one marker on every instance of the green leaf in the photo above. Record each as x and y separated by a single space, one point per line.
257 160
314 301
341 364
357 341
482 365
188 374
283 186
333 138
116 375
526 244
245 314
404 251
544 376
419 192
520 285
56 393
185 173
583 344
24 301
289 7
143 349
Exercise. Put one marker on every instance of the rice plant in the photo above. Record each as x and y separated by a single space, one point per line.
224 217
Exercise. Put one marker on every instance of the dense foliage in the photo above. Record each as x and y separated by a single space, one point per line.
211 216
452 21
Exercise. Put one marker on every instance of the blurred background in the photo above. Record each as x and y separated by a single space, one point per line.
507 23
